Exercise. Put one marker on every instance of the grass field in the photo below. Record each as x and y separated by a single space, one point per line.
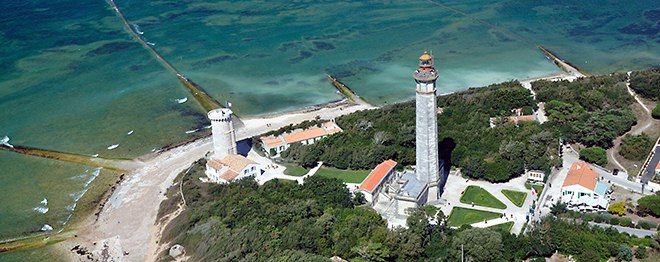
505 227
348 176
294 170
516 197
481 197
461 216
538 188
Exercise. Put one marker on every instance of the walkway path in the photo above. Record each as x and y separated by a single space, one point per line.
629 230
456 184
644 122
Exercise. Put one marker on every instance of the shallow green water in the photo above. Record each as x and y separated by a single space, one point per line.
72 79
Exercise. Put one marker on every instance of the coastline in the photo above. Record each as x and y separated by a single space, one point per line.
142 190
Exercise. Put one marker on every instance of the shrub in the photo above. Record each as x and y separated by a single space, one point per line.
640 252
645 224
646 83
656 111
626 222
596 155
625 253
618 208
614 221
636 147
649 205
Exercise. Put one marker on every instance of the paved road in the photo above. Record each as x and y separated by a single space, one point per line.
631 231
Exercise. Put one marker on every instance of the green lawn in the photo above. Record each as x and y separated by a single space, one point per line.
348 176
538 188
294 170
516 197
461 216
481 197
505 227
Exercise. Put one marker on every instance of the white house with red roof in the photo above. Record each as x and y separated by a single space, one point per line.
231 167
583 191
274 145
377 179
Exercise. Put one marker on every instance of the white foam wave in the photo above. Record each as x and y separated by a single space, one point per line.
41 209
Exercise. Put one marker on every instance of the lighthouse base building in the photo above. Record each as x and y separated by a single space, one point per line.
225 164
392 193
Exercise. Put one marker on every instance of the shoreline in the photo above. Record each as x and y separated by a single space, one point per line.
254 125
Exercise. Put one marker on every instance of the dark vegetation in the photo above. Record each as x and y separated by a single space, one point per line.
466 140
636 147
592 111
284 221
646 83
596 155
649 205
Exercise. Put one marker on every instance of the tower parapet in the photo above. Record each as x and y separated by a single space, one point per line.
224 136
425 75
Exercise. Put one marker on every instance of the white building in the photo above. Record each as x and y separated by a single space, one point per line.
535 175
378 179
225 165
230 168
274 145
582 189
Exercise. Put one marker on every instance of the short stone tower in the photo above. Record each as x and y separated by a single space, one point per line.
224 137
426 124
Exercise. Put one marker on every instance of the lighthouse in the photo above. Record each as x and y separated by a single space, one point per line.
224 137
426 124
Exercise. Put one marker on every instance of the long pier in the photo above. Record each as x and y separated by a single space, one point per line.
561 63
114 164
201 96
347 92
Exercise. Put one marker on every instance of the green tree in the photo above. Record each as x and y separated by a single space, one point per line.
649 205
625 254
636 147
373 252
558 208
478 244
656 111
640 252
594 155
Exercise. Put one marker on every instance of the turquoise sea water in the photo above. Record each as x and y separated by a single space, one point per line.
72 79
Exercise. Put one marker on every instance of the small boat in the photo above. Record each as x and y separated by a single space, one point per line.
207 127
113 146
129 132
44 202
95 155
191 131
182 100
151 44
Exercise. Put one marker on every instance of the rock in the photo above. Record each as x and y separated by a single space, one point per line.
46 228
177 250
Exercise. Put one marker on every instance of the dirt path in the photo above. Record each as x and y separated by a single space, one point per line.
644 122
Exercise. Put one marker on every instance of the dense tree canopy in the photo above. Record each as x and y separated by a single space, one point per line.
592 111
596 155
285 221
466 140
636 147
646 83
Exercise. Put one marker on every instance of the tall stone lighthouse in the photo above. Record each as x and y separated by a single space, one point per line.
426 123
224 137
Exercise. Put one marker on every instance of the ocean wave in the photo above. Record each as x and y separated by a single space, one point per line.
137 29
41 209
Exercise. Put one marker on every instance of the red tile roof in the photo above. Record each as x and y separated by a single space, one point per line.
581 174
376 176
